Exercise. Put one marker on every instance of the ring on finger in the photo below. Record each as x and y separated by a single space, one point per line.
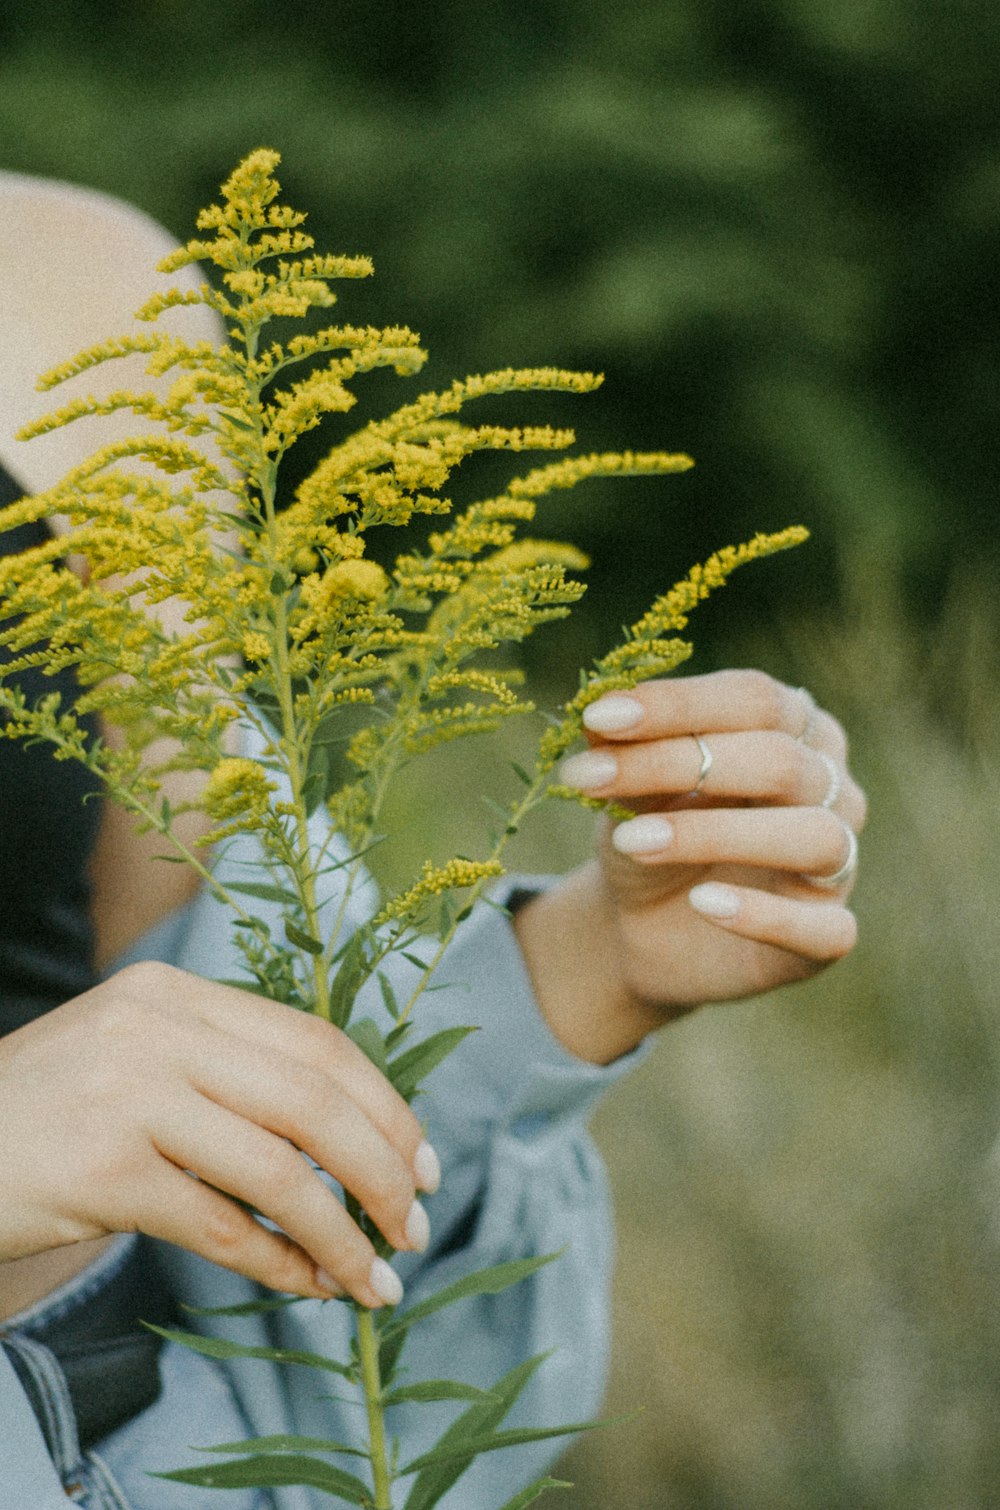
812 714
849 866
836 780
707 762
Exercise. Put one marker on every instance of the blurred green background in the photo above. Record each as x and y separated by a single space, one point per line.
775 228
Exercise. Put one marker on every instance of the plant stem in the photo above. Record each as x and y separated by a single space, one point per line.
368 1350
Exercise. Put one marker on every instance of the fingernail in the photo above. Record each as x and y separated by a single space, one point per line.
714 900
611 714
386 1282
418 1228
327 1282
644 835
592 768
427 1168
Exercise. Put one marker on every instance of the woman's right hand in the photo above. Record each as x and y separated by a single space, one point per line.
145 1103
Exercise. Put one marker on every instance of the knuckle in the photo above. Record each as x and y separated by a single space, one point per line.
148 979
278 1169
764 698
225 1231
786 762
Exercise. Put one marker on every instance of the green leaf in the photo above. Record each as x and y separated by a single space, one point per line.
265 892
435 1389
520 773
408 1069
529 1495
318 777
370 1041
285 1443
273 1471
398 1033
352 972
491 1281
253 986
388 995
413 959
220 1347
301 939
436 1479
248 1308
495 1441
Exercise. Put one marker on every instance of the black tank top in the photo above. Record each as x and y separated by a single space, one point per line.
47 836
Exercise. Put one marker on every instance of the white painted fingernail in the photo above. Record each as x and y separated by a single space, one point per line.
427 1168
642 836
714 900
386 1282
592 768
611 714
327 1282
418 1228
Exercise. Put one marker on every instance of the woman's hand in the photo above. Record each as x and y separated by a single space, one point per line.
114 1101
720 887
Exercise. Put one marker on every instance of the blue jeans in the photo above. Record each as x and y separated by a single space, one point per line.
196 1407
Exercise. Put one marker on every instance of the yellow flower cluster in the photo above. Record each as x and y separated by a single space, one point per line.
238 788
296 628
435 880
651 646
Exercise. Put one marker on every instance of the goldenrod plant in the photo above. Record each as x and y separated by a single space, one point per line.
338 660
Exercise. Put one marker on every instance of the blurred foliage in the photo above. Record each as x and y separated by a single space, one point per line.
771 225
775 227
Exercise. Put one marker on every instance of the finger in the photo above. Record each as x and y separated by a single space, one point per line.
184 1211
808 840
299 1104
233 1155
816 931
718 702
759 766
308 1040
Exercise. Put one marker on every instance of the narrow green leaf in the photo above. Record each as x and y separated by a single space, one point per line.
388 995
492 1281
408 1069
285 1443
273 1471
396 1035
436 1479
370 1041
435 1389
520 773
529 1495
220 1347
353 970
494 1441
414 959
253 986
265 892
248 1308
301 939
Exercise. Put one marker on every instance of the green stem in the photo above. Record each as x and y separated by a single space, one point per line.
371 1380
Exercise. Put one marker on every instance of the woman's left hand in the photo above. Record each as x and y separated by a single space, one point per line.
733 878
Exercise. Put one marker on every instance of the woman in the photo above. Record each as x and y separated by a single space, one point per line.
121 1077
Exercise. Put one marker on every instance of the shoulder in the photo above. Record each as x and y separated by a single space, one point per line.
75 264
